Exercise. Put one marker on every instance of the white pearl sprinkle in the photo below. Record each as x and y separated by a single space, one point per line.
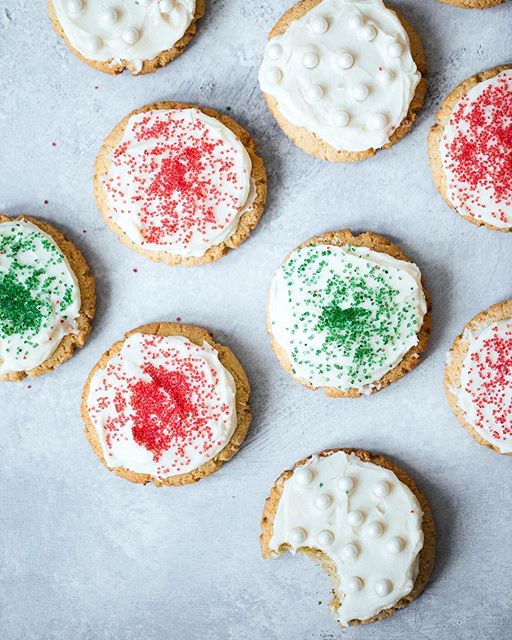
275 51
93 44
323 501
310 60
368 33
303 475
341 119
350 551
395 50
394 546
75 6
378 121
274 75
346 483
109 16
326 538
385 77
319 25
373 530
355 518
381 489
356 21
383 587
345 59
314 92
166 6
298 535
360 92
130 36
355 584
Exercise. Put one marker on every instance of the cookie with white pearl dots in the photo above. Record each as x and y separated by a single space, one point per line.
364 520
138 35
343 78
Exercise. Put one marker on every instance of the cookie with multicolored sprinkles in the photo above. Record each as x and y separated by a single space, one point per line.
470 149
179 183
348 313
47 298
478 378
167 404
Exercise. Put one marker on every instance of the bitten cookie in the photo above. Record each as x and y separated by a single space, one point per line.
478 378
166 405
473 4
138 35
47 298
364 520
348 313
179 183
470 149
343 78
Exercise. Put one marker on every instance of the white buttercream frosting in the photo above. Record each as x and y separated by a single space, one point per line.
162 405
485 392
39 296
345 316
178 181
344 71
367 522
118 31
476 152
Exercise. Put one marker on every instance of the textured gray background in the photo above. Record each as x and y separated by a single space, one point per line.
86 555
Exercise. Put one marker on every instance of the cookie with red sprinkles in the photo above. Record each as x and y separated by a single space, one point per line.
478 378
166 404
47 298
470 149
179 183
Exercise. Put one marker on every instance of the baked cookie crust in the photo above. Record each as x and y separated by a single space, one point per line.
148 66
455 361
72 341
197 335
436 133
427 554
381 244
248 220
473 4
310 142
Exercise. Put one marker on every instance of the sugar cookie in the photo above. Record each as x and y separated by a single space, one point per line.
473 4
166 405
348 314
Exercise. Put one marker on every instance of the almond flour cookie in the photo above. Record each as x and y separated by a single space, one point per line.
47 298
473 4
348 314
364 520
166 405
478 378
470 149
343 78
138 35
179 183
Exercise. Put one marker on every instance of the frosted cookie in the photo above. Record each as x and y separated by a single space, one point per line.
47 298
473 4
470 149
180 184
166 405
138 35
343 78
478 378
348 314
364 520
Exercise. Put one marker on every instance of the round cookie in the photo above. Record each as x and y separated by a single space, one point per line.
140 35
364 520
343 78
473 4
196 187
478 378
470 149
47 298
348 313
173 411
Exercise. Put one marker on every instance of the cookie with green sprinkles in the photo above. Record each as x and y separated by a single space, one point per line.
348 313
47 298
